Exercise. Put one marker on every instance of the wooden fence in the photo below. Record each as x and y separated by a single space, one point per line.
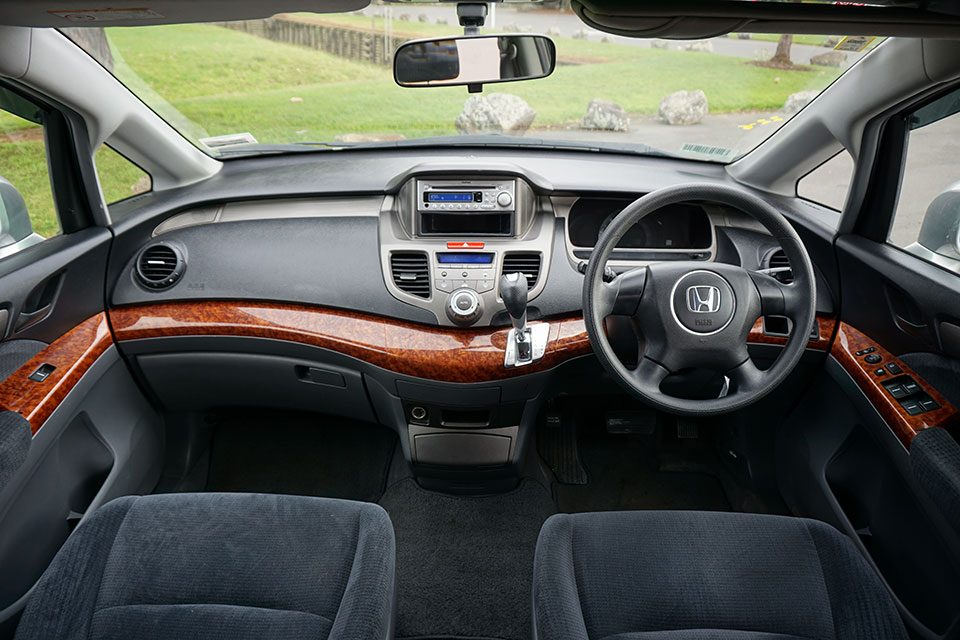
356 44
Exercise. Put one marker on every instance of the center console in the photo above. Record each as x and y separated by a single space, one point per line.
473 251
446 241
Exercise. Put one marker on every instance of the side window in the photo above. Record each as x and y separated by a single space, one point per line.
927 218
828 184
119 178
28 213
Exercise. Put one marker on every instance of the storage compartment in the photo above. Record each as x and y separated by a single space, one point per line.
899 536
466 224
50 505
458 449
202 380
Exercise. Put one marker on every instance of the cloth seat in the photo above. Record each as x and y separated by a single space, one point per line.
678 575
220 567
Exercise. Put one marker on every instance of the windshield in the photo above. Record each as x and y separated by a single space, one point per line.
245 87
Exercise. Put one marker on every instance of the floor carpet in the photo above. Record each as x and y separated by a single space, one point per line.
300 454
465 564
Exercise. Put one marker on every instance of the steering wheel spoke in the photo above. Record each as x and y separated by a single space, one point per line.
746 376
648 375
621 297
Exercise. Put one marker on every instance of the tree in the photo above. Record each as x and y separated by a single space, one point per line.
782 54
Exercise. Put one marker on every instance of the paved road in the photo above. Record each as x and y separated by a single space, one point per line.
569 24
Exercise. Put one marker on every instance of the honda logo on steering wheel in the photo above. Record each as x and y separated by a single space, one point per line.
703 299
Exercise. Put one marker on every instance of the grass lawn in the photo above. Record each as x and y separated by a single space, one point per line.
800 38
209 80
236 91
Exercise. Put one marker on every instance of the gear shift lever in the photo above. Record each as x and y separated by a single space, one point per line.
513 290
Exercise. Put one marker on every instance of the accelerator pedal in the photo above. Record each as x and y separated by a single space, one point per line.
558 448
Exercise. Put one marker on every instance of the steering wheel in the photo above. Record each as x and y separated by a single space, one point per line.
691 314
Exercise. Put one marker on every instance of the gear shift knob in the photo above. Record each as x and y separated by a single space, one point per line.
513 290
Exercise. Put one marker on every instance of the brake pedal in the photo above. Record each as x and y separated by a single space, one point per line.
638 422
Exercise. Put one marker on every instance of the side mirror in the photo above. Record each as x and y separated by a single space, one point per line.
16 231
940 230
473 60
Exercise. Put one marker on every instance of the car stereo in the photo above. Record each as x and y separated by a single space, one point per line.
466 207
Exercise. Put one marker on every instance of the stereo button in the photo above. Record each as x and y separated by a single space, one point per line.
484 286
444 285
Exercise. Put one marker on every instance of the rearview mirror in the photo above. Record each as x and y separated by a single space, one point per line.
473 60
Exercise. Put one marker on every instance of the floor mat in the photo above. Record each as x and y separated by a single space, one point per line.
300 454
465 564
625 473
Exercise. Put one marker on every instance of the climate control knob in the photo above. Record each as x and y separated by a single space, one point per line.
504 199
464 307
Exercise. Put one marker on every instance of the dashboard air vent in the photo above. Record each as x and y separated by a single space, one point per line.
778 260
160 266
526 263
411 273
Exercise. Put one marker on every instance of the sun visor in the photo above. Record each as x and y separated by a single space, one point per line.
710 18
100 13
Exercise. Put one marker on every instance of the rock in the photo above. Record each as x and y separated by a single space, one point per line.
423 17
656 43
605 116
699 45
744 36
369 137
606 39
831 41
762 54
797 101
442 21
683 107
404 16
495 113
830 59
553 31
582 34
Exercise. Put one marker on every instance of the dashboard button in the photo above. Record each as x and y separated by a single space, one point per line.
894 368
897 391
911 387
913 407
929 404
484 285
504 199
873 358
444 285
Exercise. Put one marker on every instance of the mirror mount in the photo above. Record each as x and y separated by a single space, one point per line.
472 16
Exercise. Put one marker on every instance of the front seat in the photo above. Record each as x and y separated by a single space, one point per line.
220 567
662 575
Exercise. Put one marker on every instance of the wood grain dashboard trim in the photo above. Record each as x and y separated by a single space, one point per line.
432 353
72 354
845 347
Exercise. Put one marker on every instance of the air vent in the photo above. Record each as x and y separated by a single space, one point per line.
526 263
778 260
160 266
411 273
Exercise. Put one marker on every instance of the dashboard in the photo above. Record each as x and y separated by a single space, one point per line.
428 246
